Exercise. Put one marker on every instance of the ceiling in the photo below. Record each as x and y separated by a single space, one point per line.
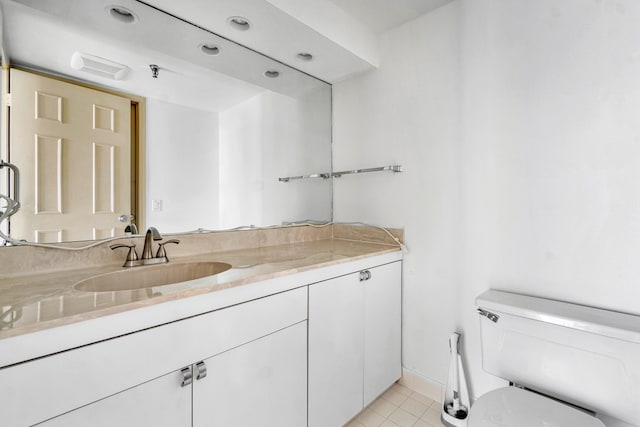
342 35
383 15
45 35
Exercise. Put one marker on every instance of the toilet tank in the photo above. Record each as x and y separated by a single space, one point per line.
586 356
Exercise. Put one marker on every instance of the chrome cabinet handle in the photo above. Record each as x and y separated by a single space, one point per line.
187 376
201 370
365 275
368 273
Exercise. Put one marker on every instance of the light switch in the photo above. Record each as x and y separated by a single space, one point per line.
156 205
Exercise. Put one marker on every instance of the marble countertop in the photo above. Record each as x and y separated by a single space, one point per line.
32 303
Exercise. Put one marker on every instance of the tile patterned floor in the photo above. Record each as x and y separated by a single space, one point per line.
399 407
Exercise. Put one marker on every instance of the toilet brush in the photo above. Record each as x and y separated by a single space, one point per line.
455 406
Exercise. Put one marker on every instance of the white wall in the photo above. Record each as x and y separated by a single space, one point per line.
406 112
182 167
517 123
267 137
550 154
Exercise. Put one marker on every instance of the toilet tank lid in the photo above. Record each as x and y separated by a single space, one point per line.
590 319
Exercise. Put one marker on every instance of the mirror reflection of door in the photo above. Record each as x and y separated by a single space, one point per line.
73 146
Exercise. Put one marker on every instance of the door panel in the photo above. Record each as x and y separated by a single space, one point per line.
335 351
160 403
382 330
73 147
262 383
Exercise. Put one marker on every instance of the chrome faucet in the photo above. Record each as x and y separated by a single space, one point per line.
147 251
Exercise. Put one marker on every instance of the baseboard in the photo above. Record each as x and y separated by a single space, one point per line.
425 386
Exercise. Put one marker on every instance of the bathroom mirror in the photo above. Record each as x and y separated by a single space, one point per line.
221 123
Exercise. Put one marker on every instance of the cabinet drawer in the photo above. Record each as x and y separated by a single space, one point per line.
38 390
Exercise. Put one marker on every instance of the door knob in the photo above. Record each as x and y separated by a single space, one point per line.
125 218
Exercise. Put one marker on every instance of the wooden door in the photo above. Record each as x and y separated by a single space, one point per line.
73 147
258 384
335 351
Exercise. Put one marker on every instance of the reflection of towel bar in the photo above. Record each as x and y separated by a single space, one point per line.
16 179
314 175
393 168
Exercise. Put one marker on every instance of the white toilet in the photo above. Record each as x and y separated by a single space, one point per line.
570 365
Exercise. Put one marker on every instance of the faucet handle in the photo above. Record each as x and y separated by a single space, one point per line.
161 252
131 256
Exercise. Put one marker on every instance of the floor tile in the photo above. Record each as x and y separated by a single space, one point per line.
403 418
422 398
383 407
400 406
414 407
432 416
402 389
394 397
369 418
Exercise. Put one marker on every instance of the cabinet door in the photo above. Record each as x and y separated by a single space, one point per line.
160 402
335 350
382 329
258 384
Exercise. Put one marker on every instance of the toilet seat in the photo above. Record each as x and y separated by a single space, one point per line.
515 407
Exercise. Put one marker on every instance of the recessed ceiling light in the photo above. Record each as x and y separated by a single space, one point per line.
304 56
210 49
272 74
121 14
239 23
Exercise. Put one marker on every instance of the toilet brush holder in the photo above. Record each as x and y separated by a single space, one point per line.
455 398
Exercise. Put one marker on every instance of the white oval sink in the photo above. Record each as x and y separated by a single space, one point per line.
152 276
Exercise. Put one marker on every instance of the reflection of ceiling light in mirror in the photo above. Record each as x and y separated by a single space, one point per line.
239 23
121 14
210 49
98 66
272 74
304 56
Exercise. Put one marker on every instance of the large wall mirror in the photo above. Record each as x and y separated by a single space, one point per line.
188 130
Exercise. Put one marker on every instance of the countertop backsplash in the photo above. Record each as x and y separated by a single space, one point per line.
25 260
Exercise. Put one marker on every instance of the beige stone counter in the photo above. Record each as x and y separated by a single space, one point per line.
37 302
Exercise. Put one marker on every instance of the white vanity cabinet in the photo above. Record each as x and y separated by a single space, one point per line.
160 402
262 383
354 342
307 349
250 350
